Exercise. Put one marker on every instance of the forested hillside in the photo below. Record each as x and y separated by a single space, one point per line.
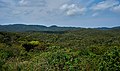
41 28
26 28
75 50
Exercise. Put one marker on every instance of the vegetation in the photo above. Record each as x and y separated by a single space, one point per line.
75 50
24 28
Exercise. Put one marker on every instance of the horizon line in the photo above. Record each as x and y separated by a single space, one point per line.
57 25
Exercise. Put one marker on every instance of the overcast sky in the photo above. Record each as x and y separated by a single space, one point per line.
79 13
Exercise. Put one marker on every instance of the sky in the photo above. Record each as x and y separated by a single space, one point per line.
74 13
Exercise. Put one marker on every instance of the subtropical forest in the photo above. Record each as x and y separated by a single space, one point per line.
73 50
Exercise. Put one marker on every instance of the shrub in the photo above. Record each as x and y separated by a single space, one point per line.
30 45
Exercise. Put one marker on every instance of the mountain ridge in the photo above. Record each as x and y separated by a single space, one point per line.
24 28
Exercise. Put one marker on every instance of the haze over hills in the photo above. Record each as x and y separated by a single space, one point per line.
24 28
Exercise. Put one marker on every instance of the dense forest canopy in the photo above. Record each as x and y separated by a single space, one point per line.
75 50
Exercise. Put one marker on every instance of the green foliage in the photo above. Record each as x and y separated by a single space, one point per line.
110 61
35 43
77 50
30 45
64 61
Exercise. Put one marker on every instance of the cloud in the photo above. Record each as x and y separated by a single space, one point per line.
2 4
105 5
31 3
95 14
72 9
23 2
116 9
30 10
54 10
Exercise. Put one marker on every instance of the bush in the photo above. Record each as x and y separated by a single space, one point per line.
30 45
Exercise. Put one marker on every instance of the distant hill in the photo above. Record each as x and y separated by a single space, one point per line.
24 28
106 28
103 28
118 27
